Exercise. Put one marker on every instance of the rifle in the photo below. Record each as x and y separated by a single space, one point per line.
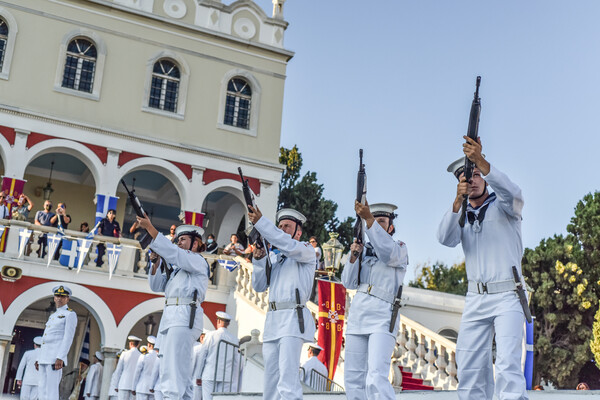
361 196
254 236
139 210
472 132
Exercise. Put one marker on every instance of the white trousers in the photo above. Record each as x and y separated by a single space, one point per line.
474 358
367 366
158 395
176 365
29 392
49 381
143 396
282 363
125 395
208 387
197 392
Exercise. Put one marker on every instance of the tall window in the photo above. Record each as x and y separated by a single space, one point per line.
3 40
237 104
164 90
80 65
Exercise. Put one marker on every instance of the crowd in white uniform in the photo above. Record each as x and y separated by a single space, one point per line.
375 268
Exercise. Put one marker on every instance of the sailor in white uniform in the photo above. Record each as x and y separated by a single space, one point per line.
313 363
183 276
226 366
123 376
112 390
289 324
373 316
142 379
56 342
93 381
196 368
491 241
28 376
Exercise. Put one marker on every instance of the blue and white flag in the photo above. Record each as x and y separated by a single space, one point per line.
103 204
85 346
24 235
53 240
113 251
83 247
229 265
68 253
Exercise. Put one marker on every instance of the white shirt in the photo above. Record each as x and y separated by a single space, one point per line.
3 211
26 371
228 362
369 314
295 272
93 381
123 375
155 377
58 336
142 380
196 367
309 365
190 273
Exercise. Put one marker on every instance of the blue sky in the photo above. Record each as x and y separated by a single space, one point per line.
397 79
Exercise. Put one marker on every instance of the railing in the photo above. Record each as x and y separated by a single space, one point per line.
319 382
245 289
228 368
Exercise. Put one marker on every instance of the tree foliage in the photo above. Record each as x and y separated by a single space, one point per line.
442 278
306 196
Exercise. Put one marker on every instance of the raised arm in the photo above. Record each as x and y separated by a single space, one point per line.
390 252
510 198
299 251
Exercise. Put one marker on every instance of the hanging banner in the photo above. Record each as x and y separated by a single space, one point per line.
194 218
332 309
103 204
68 253
12 188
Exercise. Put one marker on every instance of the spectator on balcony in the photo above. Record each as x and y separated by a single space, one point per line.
108 227
211 244
42 218
234 248
84 227
171 235
135 231
24 206
3 209
61 218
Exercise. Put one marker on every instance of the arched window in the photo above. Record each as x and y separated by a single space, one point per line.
237 103
164 90
80 65
3 40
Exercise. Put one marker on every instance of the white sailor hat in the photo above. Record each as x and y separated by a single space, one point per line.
99 356
291 214
133 338
61 290
315 346
224 316
457 167
192 230
151 339
383 210
38 340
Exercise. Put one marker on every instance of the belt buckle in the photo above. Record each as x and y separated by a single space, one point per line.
272 306
369 289
481 288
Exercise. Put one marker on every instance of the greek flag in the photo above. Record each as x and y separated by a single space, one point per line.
68 253
85 346
229 265
103 204
113 251
24 235
53 240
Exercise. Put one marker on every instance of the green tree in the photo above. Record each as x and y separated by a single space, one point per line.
442 278
306 196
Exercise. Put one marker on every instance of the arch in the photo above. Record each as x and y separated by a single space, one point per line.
75 149
90 300
184 71
255 102
3 154
10 43
216 223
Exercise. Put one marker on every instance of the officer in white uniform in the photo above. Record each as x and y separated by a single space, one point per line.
183 276
112 390
56 342
226 367
196 368
28 376
93 381
369 339
313 363
142 380
491 241
289 324
123 375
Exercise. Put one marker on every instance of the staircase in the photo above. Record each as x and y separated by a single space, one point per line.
410 383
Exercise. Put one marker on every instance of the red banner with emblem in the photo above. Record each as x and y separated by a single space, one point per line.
194 218
12 188
332 308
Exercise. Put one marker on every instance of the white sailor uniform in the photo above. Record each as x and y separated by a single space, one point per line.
311 364
123 376
155 380
197 371
227 365
189 275
57 340
29 376
93 382
491 248
369 342
293 268
142 379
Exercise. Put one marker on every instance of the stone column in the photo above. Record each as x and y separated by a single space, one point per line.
110 363
4 350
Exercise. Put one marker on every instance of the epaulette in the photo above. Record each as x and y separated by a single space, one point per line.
70 309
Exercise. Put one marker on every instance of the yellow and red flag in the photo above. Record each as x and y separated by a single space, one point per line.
194 218
12 188
332 309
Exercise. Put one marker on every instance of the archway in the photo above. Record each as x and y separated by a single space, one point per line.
226 214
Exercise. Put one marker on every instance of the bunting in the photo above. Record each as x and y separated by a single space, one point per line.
52 242
68 253
332 309
24 235
229 265
112 251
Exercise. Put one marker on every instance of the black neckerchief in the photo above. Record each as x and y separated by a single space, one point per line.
478 214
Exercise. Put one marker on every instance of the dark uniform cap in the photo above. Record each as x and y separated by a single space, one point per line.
61 291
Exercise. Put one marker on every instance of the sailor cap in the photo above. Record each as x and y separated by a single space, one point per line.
133 338
99 356
151 339
192 230
38 340
457 167
224 316
315 346
291 214
383 210
61 290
